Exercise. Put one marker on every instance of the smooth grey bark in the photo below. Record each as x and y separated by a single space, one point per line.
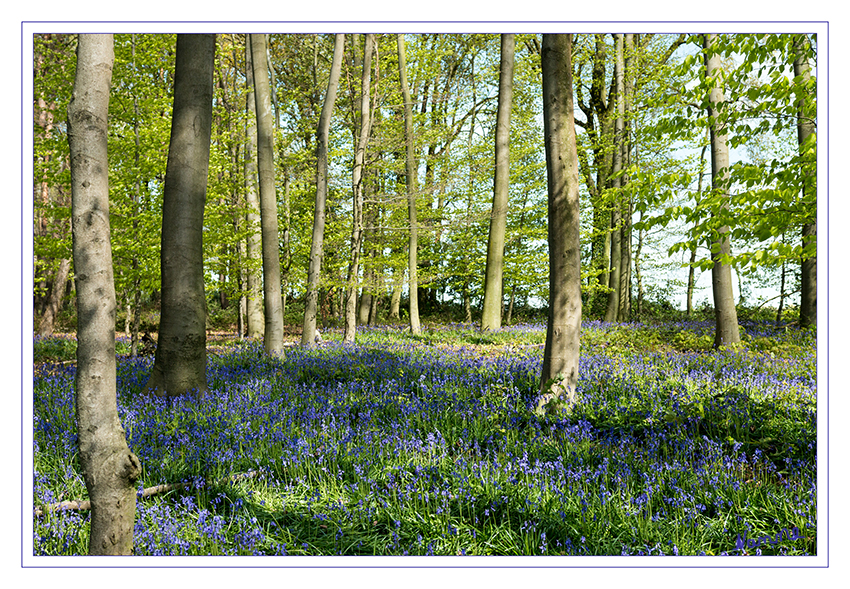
180 363
364 304
286 238
411 182
509 313
805 130
725 313
254 298
272 304
357 192
137 199
624 304
613 306
638 278
308 331
395 297
467 220
109 468
491 312
781 306
559 376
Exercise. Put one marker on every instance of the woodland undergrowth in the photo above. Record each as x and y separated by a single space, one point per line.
427 445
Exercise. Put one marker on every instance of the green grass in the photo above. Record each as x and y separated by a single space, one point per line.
396 447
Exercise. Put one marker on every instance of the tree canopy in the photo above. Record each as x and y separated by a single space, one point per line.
655 201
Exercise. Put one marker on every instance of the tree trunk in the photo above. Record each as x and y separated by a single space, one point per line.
181 356
285 242
781 294
137 198
638 278
273 333
357 192
308 331
624 308
395 297
109 468
467 303
364 304
254 298
240 310
491 313
559 376
601 135
54 300
691 269
805 130
725 314
689 305
613 307
411 181
509 314
373 309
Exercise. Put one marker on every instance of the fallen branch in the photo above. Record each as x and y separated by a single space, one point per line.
85 505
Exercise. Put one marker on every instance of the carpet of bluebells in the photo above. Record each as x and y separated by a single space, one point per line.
421 445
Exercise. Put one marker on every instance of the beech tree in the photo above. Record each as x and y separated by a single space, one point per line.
806 139
357 192
308 333
771 197
559 375
180 364
110 469
427 178
725 313
625 286
644 67
254 298
616 256
273 334
491 314
411 178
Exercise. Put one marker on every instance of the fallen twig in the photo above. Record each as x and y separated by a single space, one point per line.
85 505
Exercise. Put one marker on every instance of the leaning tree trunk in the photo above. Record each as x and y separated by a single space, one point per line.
411 177
109 468
491 312
273 333
559 376
725 313
180 364
254 298
357 191
805 130
308 331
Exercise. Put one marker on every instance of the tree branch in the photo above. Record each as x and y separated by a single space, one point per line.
85 505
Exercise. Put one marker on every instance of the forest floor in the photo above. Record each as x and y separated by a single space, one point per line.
427 445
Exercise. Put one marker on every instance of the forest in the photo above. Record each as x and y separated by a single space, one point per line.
417 294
